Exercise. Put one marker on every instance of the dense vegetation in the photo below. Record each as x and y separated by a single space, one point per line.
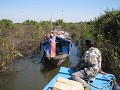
22 39
19 40
106 31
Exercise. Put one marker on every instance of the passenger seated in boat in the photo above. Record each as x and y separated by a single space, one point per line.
58 47
58 33
47 36
90 65
62 34
52 45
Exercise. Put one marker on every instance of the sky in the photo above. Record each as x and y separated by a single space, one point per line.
44 10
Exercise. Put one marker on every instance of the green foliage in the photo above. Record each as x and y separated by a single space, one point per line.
18 40
106 31
5 26
109 23
107 34
87 31
46 25
6 23
31 22
74 29
59 22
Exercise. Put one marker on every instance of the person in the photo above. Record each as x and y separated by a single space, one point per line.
90 65
58 33
62 34
52 45
47 36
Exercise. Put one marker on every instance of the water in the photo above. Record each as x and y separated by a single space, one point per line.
34 76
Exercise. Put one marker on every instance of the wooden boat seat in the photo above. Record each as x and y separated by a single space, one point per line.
66 84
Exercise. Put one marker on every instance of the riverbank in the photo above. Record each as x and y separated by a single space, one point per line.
34 76
18 40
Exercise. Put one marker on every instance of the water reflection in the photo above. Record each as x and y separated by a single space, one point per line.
34 76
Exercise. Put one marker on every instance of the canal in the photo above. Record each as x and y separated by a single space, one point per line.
34 76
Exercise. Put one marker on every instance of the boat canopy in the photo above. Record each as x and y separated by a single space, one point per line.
62 46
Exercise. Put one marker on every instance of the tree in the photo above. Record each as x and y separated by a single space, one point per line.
59 22
6 23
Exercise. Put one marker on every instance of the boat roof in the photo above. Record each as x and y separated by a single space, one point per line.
63 39
58 38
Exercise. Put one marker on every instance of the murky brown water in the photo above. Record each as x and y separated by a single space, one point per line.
33 76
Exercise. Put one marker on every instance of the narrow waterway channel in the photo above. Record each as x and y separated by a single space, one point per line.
34 76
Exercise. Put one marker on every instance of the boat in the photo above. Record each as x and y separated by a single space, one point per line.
101 82
63 46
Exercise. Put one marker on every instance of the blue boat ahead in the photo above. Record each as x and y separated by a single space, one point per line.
63 47
101 82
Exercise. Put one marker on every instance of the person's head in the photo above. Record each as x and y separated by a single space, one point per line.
52 32
48 36
89 42
58 33
45 37
51 35
62 32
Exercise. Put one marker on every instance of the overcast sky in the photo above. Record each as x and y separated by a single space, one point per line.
42 10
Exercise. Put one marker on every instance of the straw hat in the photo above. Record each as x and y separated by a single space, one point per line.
51 35
62 32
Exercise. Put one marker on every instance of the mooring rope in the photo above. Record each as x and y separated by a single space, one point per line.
103 86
